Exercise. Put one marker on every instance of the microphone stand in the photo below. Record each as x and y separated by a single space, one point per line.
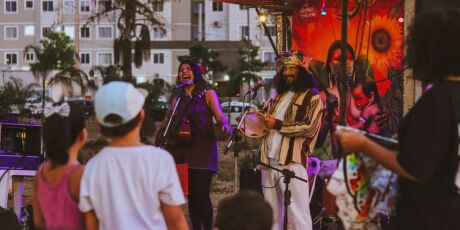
288 175
236 138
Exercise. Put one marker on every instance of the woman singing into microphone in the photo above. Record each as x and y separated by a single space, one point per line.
197 105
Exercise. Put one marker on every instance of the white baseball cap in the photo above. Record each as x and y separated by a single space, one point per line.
119 98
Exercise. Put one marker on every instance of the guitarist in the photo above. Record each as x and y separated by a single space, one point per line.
197 107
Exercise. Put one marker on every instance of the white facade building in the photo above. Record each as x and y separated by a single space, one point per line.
219 25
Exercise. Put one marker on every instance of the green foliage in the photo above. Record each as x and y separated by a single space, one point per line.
248 66
135 18
206 57
57 53
156 88
6 99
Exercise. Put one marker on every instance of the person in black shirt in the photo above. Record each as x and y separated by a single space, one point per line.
428 157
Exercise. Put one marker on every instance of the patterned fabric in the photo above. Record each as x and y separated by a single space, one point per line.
299 128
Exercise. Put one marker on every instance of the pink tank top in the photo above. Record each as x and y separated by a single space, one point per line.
59 209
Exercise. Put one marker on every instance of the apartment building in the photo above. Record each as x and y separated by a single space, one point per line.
219 25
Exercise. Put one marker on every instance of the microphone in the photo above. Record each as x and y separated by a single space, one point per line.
256 87
385 141
183 84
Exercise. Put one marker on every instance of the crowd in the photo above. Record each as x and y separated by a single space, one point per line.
130 185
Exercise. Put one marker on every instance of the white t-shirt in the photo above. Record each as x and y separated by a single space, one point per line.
126 185
274 138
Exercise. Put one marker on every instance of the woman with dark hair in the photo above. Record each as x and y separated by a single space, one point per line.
427 160
198 105
57 184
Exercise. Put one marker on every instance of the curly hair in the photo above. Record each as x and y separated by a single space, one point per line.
196 69
433 45
303 81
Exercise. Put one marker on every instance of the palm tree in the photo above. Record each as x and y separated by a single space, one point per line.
20 93
135 18
56 53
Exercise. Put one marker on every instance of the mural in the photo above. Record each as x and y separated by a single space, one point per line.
363 190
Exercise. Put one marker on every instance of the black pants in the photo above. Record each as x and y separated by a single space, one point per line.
199 200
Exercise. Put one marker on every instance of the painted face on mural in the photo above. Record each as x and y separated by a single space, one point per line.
290 73
335 62
185 73
361 100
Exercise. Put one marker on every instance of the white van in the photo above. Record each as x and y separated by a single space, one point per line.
234 109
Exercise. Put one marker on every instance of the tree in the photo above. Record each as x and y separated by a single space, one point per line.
206 57
57 53
248 66
19 93
108 73
135 18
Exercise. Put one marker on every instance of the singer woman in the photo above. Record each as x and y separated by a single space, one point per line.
201 152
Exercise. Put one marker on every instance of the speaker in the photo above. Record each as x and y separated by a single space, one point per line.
20 138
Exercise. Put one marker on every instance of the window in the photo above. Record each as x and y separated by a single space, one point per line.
104 59
217 6
269 57
46 31
11 6
85 58
30 56
29 30
105 32
47 6
158 58
11 33
69 6
243 7
29 4
158 6
85 6
102 5
244 30
11 59
85 32
70 31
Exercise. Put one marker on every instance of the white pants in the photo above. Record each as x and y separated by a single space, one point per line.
299 217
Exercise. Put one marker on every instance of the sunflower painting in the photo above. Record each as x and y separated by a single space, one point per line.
386 43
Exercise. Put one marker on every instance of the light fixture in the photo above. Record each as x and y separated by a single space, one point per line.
323 9
262 17
400 19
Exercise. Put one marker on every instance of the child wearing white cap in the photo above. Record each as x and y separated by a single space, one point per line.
129 185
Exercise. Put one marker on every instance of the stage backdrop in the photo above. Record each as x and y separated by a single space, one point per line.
375 31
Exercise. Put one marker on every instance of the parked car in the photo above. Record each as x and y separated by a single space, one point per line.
86 105
234 109
34 105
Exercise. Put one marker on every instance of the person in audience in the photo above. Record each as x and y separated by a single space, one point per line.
129 185
57 184
244 211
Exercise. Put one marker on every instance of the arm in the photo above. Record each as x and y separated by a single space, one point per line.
212 101
74 183
39 220
307 127
174 216
92 223
352 142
